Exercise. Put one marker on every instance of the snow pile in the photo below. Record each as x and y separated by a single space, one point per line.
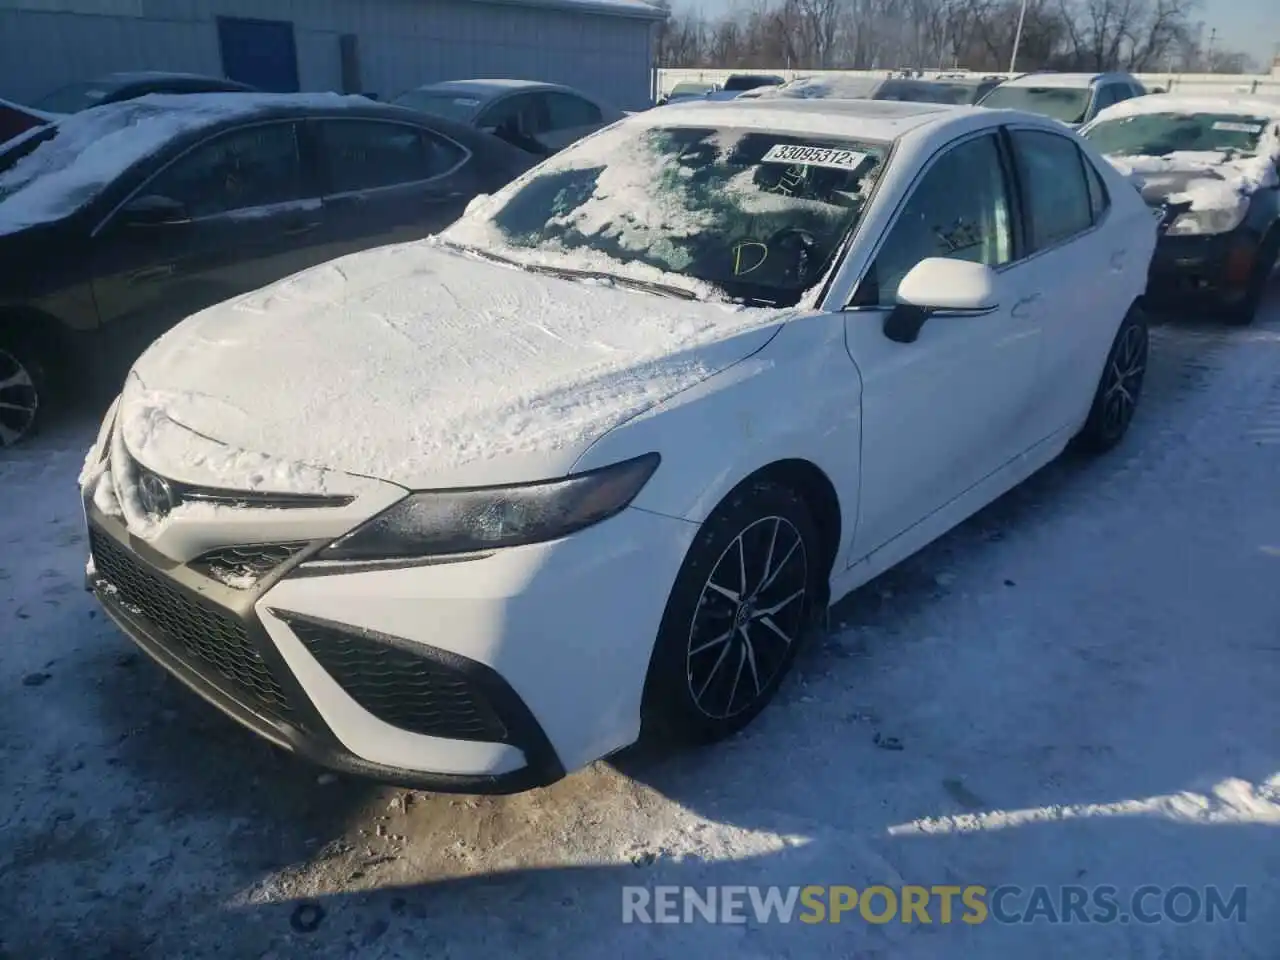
822 88
1221 184
406 361
155 435
94 147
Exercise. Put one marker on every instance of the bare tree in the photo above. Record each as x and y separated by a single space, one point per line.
1137 35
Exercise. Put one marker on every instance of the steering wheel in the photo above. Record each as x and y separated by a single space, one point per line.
797 247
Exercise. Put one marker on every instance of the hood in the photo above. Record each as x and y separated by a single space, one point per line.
418 365
1205 179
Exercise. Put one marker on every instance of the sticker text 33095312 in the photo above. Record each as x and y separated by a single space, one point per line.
798 153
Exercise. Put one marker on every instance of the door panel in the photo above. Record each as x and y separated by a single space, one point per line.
943 413
249 221
1063 210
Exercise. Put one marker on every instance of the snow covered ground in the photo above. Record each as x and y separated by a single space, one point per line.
1083 681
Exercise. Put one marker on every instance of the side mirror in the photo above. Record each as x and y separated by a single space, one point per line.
940 285
153 210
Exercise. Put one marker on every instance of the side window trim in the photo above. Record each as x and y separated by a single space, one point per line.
294 122
425 132
1011 196
1093 181
1028 253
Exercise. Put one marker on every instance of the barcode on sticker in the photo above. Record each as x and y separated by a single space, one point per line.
1230 126
814 156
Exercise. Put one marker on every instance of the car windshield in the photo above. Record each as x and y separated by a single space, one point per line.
923 91
720 213
74 97
456 106
1067 104
1159 134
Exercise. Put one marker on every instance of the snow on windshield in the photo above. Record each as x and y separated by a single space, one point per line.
742 214
822 88
92 148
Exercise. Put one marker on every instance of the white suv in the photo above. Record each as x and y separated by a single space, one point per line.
1072 98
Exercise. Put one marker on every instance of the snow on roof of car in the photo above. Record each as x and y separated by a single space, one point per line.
617 8
1070 80
833 87
1188 103
93 147
868 119
486 88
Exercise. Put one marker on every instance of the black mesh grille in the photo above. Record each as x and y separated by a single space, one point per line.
242 567
402 688
202 637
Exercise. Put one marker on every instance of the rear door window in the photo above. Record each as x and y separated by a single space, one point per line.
1056 193
369 154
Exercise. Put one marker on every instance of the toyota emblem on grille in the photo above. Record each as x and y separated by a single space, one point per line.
157 496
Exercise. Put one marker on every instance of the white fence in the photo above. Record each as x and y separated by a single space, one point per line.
1198 83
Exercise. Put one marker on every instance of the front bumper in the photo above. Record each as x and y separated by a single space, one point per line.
1215 267
491 675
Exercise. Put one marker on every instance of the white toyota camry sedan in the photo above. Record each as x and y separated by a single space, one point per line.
472 512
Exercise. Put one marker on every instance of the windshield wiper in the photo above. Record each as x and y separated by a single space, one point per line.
572 273
648 286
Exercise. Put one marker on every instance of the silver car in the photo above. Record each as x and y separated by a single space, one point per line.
537 117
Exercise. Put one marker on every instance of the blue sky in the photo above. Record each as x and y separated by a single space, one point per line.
1249 25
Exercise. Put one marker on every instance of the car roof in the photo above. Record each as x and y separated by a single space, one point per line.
883 120
488 88
124 77
1070 80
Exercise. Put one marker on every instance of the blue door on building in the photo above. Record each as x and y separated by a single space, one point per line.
261 53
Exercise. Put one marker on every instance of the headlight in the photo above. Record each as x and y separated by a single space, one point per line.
439 522
1202 222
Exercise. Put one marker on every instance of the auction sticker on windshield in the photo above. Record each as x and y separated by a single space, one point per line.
798 153
1233 127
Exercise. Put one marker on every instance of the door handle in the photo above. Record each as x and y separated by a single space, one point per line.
302 227
1023 306
152 273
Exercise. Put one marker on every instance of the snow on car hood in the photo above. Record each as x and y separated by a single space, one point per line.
419 365
1208 180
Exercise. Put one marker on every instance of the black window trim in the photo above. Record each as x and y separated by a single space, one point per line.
325 193
1013 195
296 122
1030 254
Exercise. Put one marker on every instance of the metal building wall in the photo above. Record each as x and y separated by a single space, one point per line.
402 43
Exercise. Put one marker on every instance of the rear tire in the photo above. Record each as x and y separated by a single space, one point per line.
24 387
742 604
1119 387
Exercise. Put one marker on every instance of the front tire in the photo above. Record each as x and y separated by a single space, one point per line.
740 608
23 388
1120 386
